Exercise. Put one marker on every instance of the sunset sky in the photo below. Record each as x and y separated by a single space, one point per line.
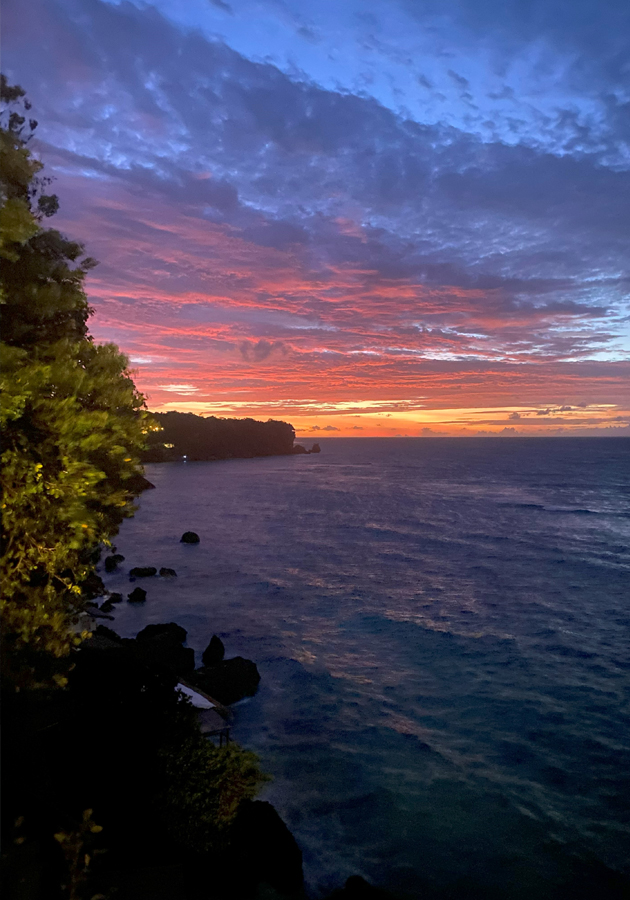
367 218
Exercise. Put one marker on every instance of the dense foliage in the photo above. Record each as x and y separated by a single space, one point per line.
205 438
72 421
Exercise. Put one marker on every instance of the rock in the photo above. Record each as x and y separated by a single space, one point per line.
214 652
92 586
264 848
137 596
357 888
189 537
138 483
107 606
229 681
162 645
103 638
111 562
97 613
298 448
168 573
115 598
143 572
172 630
105 632
316 448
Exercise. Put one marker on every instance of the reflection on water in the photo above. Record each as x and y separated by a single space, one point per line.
442 629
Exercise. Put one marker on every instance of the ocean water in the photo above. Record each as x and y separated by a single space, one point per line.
442 629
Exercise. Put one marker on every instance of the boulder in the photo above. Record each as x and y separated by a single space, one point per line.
264 848
214 652
92 586
138 483
229 681
115 598
137 596
357 888
298 448
107 606
162 645
175 633
111 562
105 632
143 572
168 573
189 537
316 448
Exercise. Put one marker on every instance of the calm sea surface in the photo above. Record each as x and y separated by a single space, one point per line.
443 633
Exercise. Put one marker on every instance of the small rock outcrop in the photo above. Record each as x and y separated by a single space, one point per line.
138 595
357 888
115 598
138 483
316 448
189 537
174 632
143 572
111 562
161 645
298 448
229 681
214 652
168 573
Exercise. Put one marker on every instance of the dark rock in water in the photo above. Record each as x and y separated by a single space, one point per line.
298 448
162 645
92 586
264 848
316 448
172 630
138 483
137 596
111 562
143 572
189 537
229 681
357 888
115 598
168 573
107 606
214 652
97 613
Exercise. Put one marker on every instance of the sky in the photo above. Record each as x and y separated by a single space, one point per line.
375 217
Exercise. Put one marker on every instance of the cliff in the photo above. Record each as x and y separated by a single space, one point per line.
207 438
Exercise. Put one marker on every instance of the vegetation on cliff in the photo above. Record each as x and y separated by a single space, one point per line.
73 423
207 438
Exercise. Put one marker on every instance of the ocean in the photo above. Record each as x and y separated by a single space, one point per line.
442 628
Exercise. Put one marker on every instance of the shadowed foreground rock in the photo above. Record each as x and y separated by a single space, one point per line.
138 595
143 572
189 537
214 652
229 681
162 645
266 851
357 888
167 573
112 562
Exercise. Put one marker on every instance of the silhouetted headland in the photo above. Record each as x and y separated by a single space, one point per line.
199 438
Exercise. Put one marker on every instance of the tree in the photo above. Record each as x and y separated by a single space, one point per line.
73 423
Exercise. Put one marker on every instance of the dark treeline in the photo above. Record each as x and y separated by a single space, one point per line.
199 438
